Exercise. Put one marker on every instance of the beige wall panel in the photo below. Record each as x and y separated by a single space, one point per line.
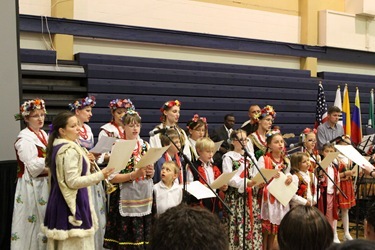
35 7
186 15
348 31
289 7
182 53
349 68
34 41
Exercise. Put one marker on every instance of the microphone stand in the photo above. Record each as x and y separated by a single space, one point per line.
184 175
358 183
246 155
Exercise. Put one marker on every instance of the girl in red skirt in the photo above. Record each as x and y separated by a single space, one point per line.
346 185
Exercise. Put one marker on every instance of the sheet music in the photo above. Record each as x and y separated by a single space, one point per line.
328 159
121 153
222 180
104 145
350 152
282 192
218 145
152 155
199 191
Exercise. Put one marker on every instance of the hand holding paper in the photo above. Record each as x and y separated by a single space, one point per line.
282 192
268 174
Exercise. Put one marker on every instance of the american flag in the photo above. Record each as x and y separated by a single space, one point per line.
321 107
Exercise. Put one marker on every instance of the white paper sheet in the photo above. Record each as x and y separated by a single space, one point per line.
199 191
222 180
152 155
218 145
350 152
328 159
120 154
104 145
280 190
268 173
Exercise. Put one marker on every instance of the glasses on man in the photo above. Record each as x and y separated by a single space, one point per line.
312 141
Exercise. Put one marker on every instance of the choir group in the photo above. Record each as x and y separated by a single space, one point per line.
61 202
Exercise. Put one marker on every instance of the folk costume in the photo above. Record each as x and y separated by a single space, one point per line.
155 139
129 215
234 199
32 192
112 129
86 140
272 211
314 155
209 173
328 203
257 144
346 184
195 123
306 183
70 221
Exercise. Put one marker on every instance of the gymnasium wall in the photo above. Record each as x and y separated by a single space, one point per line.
262 20
182 15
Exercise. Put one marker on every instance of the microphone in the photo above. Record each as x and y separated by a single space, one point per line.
158 131
338 138
296 145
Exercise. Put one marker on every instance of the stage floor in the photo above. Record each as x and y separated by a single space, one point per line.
352 228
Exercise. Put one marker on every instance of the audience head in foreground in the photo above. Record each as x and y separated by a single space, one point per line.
304 227
184 227
357 244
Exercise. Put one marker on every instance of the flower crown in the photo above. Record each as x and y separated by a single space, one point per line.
195 119
132 112
267 110
121 103
273 132
309 130
170 104
29 106
305 132
81 103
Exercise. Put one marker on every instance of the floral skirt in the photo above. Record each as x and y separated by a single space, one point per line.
235 222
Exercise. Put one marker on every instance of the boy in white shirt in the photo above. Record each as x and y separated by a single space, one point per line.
167 192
